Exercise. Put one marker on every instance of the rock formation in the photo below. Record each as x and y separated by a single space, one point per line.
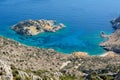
112 42
5 71
34 27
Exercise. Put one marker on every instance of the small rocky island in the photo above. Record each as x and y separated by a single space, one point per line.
34 27
112 42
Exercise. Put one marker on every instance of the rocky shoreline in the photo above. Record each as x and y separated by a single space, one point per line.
19 61
112 42
35 27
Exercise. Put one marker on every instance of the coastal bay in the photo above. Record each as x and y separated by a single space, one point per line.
59 40
83 24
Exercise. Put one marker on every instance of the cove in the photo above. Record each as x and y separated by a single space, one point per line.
84 21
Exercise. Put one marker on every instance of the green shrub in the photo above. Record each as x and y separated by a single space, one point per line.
18 77
68 77
39 72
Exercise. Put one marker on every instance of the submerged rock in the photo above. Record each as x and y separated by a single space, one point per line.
113 40
34 27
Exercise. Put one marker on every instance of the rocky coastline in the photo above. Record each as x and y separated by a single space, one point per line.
20 62
112 42
35 27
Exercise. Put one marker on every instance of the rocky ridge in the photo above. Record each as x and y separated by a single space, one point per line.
34 27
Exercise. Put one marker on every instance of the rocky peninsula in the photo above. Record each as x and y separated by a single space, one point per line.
34 27
112 42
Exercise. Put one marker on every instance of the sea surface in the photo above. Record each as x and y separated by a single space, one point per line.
84 20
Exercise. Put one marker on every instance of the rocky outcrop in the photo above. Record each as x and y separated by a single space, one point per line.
80 54
112 42
5 71
34 27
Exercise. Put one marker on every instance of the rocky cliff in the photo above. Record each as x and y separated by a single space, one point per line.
112 42
34 27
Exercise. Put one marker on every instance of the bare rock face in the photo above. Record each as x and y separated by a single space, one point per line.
112 42
5 71
34 27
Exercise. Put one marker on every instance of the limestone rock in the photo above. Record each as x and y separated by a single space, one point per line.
5 71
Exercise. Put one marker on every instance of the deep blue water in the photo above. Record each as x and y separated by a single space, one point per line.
84 19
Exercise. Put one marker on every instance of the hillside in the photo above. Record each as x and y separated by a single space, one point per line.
47 64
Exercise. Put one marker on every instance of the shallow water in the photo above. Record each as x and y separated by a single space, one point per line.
84 19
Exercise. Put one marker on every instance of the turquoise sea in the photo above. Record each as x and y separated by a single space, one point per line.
84 19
